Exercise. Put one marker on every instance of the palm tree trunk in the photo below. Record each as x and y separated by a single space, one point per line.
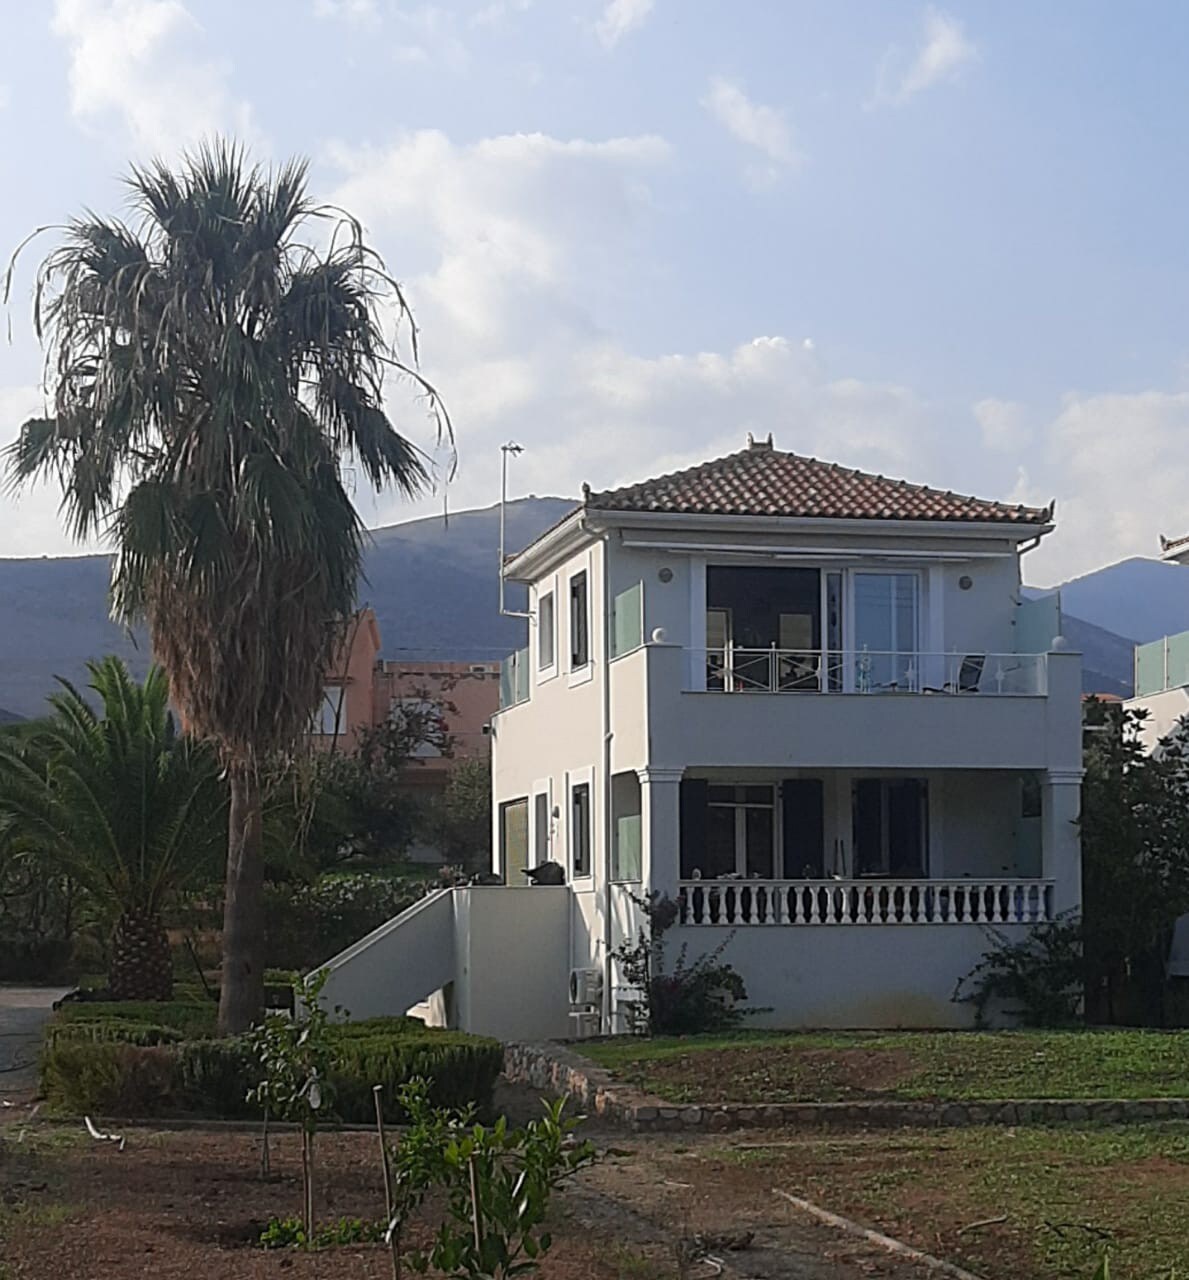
140 967
242 997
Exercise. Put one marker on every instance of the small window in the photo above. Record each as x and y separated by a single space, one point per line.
545 631
580 829
330 718
579 622
541 827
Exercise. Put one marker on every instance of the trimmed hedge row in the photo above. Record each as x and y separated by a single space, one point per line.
119 1065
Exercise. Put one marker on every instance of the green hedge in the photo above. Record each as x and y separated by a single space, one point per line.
126 1067
190 1018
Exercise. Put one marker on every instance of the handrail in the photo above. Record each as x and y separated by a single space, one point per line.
865 901
734 669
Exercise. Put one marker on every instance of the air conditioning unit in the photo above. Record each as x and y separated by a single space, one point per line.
585 1023
586 987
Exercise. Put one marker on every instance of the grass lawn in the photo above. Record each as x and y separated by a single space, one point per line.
1026 1202
954 1065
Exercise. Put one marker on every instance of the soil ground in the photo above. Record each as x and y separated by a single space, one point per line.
191 1204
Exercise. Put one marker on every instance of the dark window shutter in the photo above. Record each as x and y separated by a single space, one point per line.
868 822
694 803
804 828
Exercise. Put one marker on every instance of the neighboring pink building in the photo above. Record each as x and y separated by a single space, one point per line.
362 689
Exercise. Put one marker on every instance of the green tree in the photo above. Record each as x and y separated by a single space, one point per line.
123 805
460 818
211 370
1135 860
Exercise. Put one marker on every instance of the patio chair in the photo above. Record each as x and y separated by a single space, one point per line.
970 674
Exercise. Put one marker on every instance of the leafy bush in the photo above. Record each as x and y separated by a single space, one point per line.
290 1233
1040 979
691 999
121 1066
309 923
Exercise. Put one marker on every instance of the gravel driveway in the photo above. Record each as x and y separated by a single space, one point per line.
23 1013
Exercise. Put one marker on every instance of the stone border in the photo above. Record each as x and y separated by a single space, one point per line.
558 1070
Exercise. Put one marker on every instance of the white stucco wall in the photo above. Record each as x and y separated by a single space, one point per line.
512 979
850 975
1164 710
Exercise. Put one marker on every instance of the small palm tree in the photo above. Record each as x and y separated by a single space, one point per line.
211 370
124 805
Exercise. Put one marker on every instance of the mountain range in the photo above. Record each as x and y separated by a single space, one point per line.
433 585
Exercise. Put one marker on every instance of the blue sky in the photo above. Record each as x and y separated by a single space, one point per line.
945 242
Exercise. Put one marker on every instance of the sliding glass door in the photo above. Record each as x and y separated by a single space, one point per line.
885 630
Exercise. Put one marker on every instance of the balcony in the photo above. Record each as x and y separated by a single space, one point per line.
737 670
514 679
737 903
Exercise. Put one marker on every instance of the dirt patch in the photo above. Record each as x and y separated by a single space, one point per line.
777 1074
191 1204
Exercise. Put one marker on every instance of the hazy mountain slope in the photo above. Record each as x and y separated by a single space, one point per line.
1145 598
435 589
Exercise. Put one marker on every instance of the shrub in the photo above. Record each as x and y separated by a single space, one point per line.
191 1018
1039 979
119 1066
308 924
691 998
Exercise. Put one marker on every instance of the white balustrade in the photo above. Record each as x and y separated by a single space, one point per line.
739 903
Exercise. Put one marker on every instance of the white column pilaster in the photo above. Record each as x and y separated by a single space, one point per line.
660 819
1061 846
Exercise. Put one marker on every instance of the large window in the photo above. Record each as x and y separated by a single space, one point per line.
891 826
580 830
579 622
546 631
740 832
514 840
885 631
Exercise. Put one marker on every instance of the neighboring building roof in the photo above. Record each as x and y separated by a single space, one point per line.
763 481
1174 548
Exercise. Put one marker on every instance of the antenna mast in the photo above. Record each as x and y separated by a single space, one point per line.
505 449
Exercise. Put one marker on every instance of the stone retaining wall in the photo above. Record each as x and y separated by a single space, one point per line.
558 1070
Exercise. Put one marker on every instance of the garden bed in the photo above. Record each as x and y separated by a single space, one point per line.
961 1066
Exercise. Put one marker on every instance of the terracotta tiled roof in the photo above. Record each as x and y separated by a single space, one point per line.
763 481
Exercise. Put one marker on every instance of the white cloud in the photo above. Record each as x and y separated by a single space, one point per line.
138 60
502 240
764 129
943 52
361 13
619 18
429 34
1003 425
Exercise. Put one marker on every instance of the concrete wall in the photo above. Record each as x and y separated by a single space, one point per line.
850 975
512 978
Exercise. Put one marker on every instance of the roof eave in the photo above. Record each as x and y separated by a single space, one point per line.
1019 531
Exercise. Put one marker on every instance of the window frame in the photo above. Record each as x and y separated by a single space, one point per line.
739 807
576 632
580 782
501 811
547 670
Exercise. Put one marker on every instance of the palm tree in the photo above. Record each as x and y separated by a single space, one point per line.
211 370
123 805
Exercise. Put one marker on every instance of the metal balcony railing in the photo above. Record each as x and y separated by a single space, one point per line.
737 670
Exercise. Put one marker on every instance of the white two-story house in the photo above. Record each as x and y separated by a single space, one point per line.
805 702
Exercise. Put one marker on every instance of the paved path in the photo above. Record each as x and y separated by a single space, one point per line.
23 1012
